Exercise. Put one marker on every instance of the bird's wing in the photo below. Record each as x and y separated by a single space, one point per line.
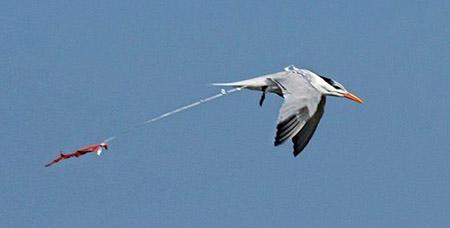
53 162
302 138
58 159
88 148
301 101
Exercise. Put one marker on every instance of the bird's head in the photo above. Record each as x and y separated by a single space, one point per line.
331 87
104 145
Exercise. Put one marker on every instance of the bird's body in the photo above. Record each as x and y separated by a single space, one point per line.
304 99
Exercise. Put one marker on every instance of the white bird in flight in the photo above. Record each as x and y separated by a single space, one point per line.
304 94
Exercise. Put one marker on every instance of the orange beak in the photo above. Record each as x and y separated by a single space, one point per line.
353 97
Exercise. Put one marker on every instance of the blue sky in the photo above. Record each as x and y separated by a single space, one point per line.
75 73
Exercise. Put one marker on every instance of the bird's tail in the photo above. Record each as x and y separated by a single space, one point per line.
231 84
254 83
99 151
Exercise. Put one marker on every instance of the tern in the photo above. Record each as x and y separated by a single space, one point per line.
304 94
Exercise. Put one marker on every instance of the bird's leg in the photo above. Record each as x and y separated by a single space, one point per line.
263 96
261 100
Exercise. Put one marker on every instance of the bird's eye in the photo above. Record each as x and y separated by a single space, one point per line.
333 83
337 87
330 82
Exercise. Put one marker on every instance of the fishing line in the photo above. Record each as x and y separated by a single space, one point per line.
222 93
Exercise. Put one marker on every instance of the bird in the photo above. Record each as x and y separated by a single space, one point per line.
304 93
97 148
